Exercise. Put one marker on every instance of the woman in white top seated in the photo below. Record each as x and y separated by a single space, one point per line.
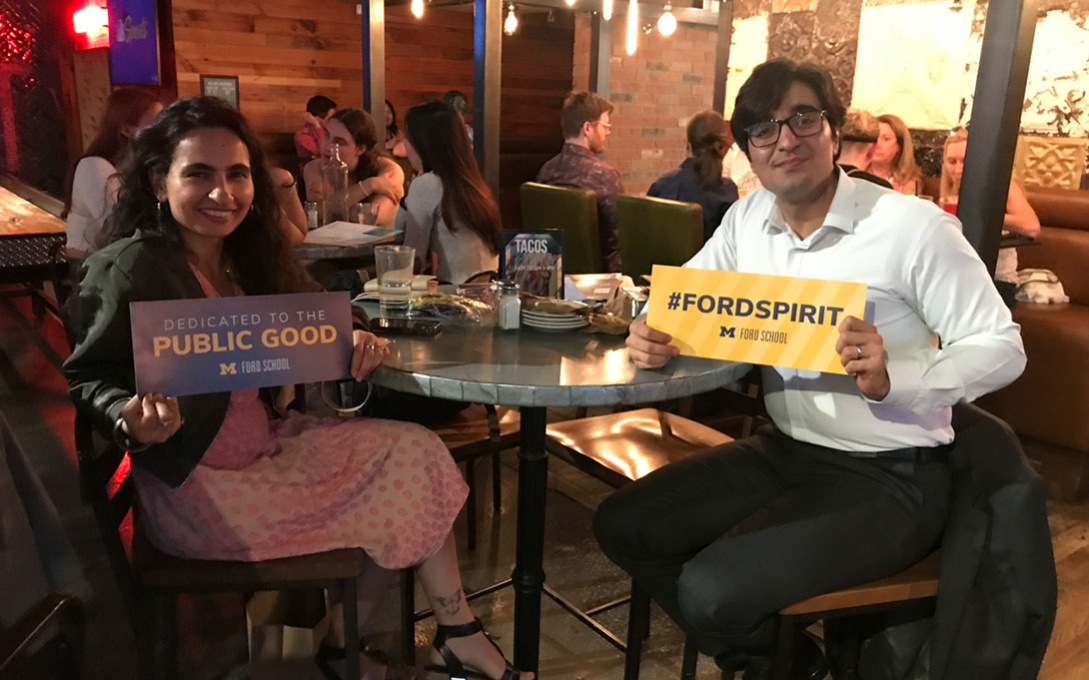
93 184
450 216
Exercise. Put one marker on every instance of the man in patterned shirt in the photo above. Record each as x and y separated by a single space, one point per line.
585 122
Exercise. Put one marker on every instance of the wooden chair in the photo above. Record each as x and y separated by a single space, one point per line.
150 580
572 211
480 430
917 583
656 231
618 449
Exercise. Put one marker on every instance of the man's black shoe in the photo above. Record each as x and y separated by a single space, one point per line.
808 664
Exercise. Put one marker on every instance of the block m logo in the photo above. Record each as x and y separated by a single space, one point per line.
228 369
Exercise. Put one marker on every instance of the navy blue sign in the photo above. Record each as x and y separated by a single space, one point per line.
134 42
206 345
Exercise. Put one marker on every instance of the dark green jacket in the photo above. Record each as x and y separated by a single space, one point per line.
100 370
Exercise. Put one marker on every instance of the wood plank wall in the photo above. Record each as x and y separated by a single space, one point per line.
285 51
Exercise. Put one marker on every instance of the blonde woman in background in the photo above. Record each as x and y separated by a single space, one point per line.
894 156
1020 217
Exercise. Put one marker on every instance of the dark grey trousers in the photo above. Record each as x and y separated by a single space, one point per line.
724 540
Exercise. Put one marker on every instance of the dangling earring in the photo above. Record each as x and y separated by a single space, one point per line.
162 211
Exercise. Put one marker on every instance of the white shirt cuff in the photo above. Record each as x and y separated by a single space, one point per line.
905 384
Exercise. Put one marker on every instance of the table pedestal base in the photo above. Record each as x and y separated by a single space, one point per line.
528 576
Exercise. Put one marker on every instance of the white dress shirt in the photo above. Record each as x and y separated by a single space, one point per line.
924 281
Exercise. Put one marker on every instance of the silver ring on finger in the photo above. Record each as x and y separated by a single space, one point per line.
369 346
859 349
164 423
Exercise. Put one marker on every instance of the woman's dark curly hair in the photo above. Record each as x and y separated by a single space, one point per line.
258 248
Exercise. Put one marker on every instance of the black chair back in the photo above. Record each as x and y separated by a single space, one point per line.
107 484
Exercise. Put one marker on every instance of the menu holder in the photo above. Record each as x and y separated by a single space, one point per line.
533 260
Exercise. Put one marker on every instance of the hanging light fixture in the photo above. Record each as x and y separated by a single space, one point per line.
667 23
633 27
511 24
607 10
569 3
418 8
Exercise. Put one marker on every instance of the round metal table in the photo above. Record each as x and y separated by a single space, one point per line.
534 370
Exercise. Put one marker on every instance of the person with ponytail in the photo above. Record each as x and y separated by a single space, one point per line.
699 178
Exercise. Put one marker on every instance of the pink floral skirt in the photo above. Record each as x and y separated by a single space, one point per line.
268 489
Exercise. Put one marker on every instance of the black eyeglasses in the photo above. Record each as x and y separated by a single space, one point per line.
802 124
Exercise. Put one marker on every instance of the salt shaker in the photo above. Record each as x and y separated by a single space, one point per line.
509 307
313 215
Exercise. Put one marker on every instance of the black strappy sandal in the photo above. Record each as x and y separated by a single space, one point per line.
327 653
454 667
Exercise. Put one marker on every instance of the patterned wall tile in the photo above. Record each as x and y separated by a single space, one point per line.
743 9
1050 161
793 5
792 36
929 146
836 44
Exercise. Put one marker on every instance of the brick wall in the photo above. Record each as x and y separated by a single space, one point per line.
655 92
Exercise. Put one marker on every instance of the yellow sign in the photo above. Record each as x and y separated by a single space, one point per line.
753 318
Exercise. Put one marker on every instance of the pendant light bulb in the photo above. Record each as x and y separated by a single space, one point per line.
633 27
667 23
418 8
569 3
607 10
511 24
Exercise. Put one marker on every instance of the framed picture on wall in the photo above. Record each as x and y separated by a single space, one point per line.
224 87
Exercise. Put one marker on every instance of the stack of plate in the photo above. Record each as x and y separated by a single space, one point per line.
544 321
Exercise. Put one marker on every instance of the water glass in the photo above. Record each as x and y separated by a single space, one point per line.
367 213
394 267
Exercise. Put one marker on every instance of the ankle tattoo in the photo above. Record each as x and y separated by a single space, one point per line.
452 604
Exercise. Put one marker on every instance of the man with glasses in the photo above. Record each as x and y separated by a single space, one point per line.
851 482
586 126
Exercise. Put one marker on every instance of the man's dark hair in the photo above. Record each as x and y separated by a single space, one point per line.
319 105
768 84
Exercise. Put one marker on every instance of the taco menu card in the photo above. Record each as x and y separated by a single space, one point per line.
533 260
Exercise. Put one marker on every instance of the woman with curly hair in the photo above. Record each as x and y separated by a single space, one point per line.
197 217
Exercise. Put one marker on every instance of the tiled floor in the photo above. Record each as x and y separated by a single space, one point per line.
34 399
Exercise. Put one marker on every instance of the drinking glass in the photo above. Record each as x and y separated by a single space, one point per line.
394 267
367 214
